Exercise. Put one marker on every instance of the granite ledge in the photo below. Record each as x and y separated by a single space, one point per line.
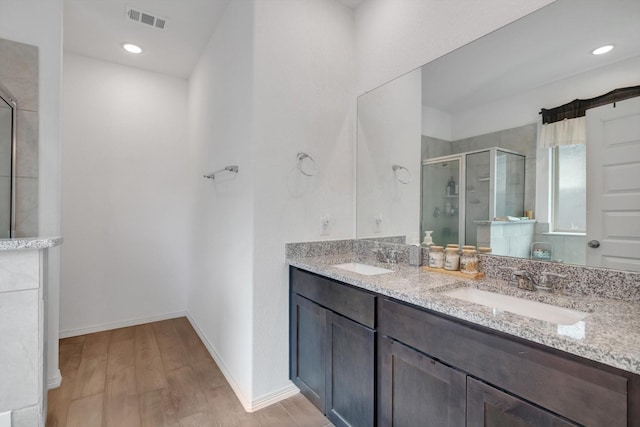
29 243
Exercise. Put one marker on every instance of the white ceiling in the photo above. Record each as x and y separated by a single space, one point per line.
96 28
552 43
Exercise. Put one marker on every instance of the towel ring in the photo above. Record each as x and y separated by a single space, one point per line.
396 168
310 171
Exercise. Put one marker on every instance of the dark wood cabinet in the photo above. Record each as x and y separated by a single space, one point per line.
350 380
416 390
332 356
308 345
521 379
366 360
489 407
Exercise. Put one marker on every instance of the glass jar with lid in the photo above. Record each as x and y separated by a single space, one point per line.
436 257
469 261
451 259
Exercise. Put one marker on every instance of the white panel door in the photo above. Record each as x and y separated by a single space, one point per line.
613 185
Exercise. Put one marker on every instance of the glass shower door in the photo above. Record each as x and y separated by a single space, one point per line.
440 204
478 194
6 166
509 185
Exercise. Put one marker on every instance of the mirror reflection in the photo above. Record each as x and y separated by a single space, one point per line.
7 148
467 128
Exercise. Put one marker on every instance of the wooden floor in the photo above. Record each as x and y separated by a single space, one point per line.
156 375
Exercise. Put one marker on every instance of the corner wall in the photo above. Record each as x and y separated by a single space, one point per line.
303 101
221 132
125 196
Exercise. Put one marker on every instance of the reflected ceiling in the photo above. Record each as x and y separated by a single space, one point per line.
554 52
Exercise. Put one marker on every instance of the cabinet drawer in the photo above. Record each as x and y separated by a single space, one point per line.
577 391
338 297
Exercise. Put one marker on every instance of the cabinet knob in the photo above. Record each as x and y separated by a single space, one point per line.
594 244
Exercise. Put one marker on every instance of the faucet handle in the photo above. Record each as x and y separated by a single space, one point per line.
393 256
382 257
513 279
548 279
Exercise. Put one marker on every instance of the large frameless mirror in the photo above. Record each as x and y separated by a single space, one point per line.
466 128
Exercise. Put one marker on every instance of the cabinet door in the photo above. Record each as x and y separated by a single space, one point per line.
350 372
308 348
416 390
490 407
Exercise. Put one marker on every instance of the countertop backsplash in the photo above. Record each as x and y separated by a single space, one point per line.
580 280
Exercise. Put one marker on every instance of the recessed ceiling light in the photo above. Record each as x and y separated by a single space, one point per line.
601 50
131 48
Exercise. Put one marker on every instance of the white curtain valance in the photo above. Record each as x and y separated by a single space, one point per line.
564 132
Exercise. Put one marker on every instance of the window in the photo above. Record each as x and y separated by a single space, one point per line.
569 188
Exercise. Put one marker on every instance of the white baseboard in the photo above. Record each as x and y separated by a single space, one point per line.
274 397
247 404
122 324
54 381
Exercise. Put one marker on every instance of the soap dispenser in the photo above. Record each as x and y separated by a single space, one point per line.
428 241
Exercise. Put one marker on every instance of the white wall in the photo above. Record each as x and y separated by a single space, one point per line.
396 36
389 133
220 300
436 123
276 79
125 196
304 80
39 23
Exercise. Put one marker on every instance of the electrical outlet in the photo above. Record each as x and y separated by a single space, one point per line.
377 223
325 225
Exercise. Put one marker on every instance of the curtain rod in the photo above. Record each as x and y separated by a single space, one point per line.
578 107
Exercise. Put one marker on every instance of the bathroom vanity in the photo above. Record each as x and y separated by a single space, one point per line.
23 293
392 350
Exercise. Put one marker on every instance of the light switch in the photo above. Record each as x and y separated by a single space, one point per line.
325 225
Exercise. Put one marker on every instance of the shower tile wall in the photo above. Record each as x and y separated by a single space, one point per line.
570 249
521 139
19 75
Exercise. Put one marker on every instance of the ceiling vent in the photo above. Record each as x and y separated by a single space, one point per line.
146 18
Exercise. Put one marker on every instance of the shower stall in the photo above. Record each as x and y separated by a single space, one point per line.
461 189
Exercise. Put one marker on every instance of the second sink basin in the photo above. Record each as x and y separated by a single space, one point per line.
524 307
364 269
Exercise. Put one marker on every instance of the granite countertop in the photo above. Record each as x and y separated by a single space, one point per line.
29 243
610 334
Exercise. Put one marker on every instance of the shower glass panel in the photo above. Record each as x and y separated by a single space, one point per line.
493 187
441 200
7 153
509 187
478 195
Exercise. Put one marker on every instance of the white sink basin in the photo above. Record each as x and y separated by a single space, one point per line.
364 269
524 307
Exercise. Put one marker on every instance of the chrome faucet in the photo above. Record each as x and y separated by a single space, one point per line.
528 282
525 280
388 256
548 280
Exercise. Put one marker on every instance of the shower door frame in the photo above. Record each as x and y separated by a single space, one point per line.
6 96
461 191
462 179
